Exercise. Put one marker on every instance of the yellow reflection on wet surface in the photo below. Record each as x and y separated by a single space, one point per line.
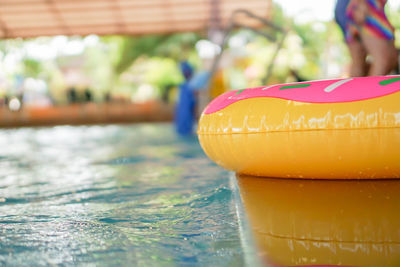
324 222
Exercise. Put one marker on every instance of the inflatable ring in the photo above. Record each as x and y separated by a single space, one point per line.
329 129
323 223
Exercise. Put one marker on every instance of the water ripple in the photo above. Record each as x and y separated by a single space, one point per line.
112 196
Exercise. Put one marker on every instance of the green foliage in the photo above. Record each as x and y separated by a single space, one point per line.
98 67
125 50
31 67
278 17
178 46
130 48
163 72
394 18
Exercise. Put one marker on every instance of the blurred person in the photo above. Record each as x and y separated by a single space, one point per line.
72 96
3 101
88 96
165 94
107 97
367 32
6 100
185 107
185 113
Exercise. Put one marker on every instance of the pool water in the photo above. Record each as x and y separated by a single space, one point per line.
114 195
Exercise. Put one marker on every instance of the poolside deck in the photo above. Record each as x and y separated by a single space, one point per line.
90 113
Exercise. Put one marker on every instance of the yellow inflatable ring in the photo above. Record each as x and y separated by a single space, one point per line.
330 129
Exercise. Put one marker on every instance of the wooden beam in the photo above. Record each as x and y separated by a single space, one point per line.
128 15
106 31
138 22
58 16
30 18
117 14
15 7
110 20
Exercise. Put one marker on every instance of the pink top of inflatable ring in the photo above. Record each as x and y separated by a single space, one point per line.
325 91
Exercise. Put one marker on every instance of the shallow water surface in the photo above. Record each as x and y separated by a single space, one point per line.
113 195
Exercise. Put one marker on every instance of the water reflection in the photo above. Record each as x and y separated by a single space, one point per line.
311 222
113 195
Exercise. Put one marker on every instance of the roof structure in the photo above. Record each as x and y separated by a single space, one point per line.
33 18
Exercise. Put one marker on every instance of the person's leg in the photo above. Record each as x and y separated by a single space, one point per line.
359 66
383 53
377 35
344 16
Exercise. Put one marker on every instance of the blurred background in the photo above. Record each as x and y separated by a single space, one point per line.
100 61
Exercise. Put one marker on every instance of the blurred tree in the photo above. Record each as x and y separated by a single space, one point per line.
126 49
98 67
163 72
394 18
32 68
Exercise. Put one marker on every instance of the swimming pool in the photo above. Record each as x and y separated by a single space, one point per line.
114 195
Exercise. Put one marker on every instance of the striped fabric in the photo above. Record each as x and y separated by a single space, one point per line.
376 22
